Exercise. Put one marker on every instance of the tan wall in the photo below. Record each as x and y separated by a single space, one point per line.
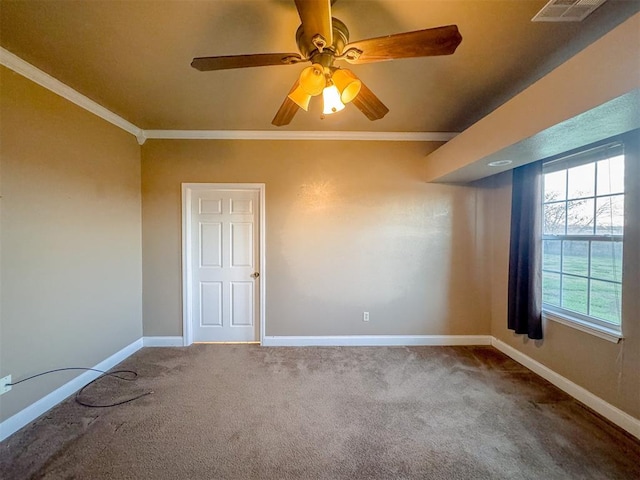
70 239
610 371
351 226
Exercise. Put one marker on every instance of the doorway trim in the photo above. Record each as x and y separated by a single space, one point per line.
187 314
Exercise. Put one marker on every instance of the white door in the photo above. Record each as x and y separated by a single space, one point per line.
223 241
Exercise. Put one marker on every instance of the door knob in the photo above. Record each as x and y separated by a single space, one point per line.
255 274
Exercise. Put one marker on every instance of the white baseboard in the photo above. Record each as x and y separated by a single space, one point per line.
33 411
608 411
374 340
162 341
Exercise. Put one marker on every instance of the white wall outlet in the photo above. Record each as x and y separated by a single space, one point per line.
4 384
365 316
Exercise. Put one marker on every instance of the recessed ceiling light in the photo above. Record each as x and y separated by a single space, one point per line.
500 163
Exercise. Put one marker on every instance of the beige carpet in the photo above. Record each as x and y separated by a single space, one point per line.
246 412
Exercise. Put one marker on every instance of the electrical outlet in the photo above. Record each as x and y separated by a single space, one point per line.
365 316
4 384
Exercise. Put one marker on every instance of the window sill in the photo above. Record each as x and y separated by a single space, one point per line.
606 333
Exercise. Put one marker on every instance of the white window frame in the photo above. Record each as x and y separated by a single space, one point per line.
582 322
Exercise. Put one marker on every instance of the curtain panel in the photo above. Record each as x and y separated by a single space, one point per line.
525 266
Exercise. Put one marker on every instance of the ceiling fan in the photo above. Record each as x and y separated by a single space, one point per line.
322 40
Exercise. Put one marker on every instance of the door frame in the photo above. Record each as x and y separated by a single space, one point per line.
187 191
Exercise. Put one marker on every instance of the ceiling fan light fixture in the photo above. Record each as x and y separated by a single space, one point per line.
331 100
348 84
312 79
300 97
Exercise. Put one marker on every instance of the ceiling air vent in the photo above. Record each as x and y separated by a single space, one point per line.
566 10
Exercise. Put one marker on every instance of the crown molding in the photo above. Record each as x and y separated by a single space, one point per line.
15 63
21 67
298 135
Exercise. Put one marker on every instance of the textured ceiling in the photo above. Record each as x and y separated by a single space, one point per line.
133 58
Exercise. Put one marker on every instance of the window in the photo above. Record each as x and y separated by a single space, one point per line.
583 223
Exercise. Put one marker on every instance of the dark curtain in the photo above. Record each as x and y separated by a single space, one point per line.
525 276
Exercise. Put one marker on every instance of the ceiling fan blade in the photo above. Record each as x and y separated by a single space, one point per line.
421 43
369 104
315 16
287 110
205 64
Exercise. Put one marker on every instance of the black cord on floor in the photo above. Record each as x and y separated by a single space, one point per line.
63 370
116 374
111 374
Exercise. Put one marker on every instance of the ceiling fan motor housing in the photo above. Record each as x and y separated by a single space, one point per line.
310 50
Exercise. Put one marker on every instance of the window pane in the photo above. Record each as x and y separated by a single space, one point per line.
574 293
551 254
580 217
551 288
606 260
575 258
555 186
583 225
582 181
554 218
611 175
606 301
610 215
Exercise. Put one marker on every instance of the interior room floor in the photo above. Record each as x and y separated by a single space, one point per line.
248 412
